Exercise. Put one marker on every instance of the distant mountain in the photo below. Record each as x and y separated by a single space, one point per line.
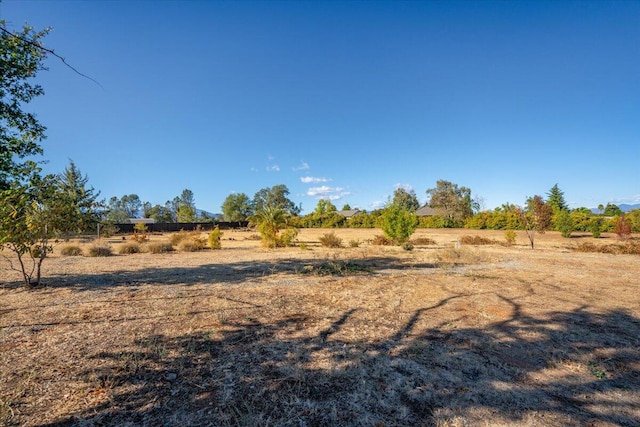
623 207
626 208
201 212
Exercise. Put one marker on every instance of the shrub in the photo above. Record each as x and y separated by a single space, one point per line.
398 224
139 238
622 228
159 247
564 223
330 240
628 248
407 246
140 227
381 241
71 250
214 238
354 243
510 237
476 240
595 227
192 244
423 241
129 248
178 237
253 237
99 250
287 238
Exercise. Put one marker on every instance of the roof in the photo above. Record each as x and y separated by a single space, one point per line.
426 211
348 213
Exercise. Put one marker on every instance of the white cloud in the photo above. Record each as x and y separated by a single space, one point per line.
326 192
303 167
253 170
310 179
273 168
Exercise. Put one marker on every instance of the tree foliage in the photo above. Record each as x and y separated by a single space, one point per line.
81 201
451 202
397 223
274 197
269 221
21 57
612 210
536 218
556 200
119 210
236 207
406 199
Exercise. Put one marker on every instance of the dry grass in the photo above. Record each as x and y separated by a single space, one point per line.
372 336
476 240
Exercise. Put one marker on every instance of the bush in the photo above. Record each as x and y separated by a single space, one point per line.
476 240
214 238
287 238
178 237
192 244
628 248
398 224
381 241
423 241
129 248
159 247
71 250
407 246
99 250
595 227
564 223
622 228
139 238
354 243
253 237
330 240
510 237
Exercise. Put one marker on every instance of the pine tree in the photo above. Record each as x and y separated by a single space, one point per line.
556 199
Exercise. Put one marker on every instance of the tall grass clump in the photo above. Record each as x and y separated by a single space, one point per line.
509 237
71 250
159 247
476 240
129 248
331 240
99 250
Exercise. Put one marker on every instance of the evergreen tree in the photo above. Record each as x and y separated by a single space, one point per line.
81 201
556 199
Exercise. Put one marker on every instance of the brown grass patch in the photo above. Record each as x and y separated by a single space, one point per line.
627 248
476 240
378 336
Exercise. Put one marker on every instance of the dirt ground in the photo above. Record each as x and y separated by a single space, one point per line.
445 335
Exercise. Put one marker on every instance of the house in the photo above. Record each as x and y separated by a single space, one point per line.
426 211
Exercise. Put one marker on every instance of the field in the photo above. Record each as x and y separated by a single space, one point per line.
448 334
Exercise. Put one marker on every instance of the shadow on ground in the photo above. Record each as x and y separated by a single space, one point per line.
229 272
258 374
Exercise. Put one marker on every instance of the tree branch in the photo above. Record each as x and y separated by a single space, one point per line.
50 51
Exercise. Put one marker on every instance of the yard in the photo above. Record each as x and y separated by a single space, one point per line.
447 334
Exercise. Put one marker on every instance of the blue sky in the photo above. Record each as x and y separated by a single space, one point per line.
343 100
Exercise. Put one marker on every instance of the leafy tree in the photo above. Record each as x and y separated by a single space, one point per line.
595 227
31 215
612 210
325 206
564 223
269 221
274 197
398 224
452 202
406 199
186 213
21 57
187 199
346 207
236 207
601 208
158 212
536 218
556 199
81 201
120 210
